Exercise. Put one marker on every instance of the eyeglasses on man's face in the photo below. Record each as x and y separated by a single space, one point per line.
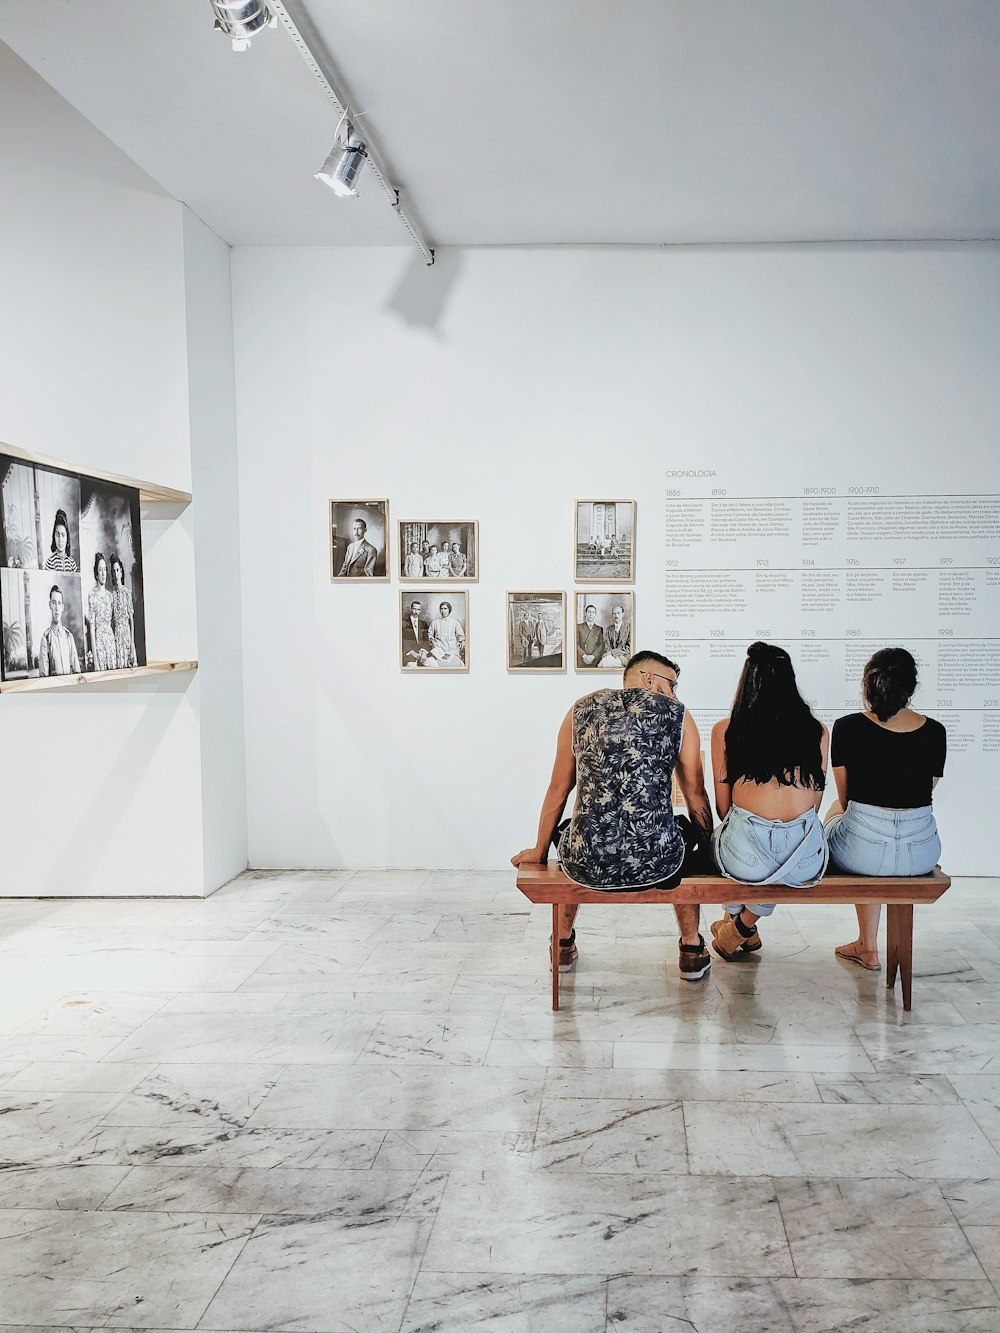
671 680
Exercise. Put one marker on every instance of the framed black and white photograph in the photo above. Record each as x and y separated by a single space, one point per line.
434 629
71 591
111 574
604 541
39 518
536 631
605 630
359 540
439 549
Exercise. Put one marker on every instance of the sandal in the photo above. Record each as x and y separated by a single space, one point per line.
850 954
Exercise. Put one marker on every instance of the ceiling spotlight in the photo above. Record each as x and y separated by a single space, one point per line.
342 168
242 19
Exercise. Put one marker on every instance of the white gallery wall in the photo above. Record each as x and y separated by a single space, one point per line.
103 791
499 386
214 471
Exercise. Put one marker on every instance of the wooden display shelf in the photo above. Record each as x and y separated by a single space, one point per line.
149 492
93 678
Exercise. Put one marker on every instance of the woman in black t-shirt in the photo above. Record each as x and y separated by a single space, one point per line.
885 763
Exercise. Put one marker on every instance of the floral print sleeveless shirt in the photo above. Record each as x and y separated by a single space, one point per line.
623 833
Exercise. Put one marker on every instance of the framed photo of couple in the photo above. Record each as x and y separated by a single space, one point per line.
433 629
605 630
604 541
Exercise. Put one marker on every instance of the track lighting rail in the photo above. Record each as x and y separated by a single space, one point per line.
316 58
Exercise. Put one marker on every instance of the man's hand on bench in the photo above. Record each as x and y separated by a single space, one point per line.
531 856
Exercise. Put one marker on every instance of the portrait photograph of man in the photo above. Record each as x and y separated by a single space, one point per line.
58 650
604 541
434 630
604 630
43 624
439 549
536 628
359 535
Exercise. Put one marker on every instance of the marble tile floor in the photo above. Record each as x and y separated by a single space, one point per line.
332 1102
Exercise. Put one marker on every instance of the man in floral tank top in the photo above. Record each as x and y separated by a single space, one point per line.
619 749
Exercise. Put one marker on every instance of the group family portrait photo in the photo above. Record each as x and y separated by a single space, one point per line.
71 593
439 550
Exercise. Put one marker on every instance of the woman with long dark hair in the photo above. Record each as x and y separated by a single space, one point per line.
886 762
769 765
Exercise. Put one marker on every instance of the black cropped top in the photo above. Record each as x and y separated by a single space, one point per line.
889 768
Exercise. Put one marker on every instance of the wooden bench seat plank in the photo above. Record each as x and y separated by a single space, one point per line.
548 884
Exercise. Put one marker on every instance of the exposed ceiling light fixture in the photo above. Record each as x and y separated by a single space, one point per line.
312 49
242 19
343 165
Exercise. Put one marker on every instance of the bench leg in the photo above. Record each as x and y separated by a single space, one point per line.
891 947
899 933
906 952
556 937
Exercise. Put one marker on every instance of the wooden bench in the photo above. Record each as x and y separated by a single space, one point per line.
548 884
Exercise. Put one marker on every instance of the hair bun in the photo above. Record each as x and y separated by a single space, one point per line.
889 680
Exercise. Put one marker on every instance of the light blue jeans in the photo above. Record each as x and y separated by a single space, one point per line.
754 850
870 840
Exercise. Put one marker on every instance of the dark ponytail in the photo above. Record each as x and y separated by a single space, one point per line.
889 681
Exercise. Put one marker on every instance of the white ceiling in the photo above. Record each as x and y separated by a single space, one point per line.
555 121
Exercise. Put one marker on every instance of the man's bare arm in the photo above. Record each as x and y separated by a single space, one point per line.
691 778
561 783
723 791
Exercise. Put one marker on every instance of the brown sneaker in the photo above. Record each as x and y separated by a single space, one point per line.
567 952
751 943
695 961
728 942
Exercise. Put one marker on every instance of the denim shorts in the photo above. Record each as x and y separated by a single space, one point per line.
869 840
755 850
